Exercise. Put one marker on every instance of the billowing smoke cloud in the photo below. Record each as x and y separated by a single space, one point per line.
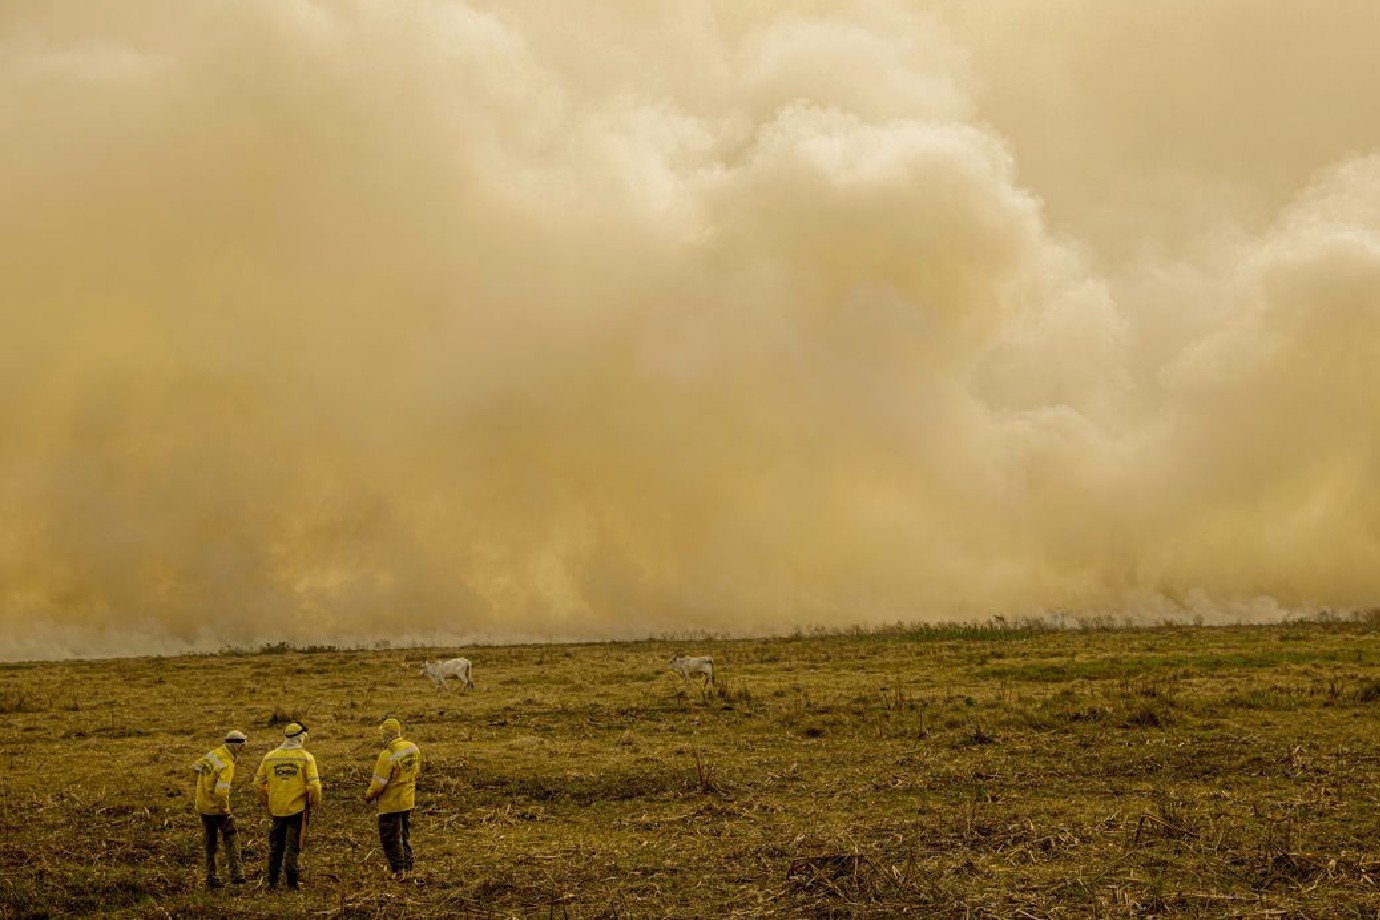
342 320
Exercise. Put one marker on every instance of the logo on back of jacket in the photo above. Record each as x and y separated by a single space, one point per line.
285 769
408 762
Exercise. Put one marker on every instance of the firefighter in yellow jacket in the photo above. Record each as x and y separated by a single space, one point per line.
394 786
289 785
215 771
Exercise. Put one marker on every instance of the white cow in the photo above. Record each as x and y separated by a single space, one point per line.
459 668
687 666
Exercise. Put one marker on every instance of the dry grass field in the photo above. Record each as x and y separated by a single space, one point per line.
938 772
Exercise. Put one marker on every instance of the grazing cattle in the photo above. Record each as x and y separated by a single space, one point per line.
459 668
687 666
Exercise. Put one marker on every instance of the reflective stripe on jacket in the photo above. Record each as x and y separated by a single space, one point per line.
395 776
215 770
287 781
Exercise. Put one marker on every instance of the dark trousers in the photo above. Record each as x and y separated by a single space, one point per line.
284 843
395 836
213 828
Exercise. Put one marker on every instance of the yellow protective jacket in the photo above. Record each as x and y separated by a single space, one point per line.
287 780
214 773
395 776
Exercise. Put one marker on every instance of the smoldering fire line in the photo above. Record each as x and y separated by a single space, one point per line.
337 320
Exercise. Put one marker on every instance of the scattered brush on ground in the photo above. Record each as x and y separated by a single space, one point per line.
966 772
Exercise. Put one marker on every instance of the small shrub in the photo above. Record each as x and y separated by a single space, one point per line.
976 736
1146 715
12 701
279 717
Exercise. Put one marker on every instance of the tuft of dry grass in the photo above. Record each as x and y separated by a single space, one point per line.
974 772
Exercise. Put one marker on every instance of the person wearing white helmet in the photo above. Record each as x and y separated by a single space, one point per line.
215 771
289 785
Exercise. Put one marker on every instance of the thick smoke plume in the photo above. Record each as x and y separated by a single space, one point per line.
346 320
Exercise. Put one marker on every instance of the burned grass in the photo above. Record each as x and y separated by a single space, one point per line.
943 773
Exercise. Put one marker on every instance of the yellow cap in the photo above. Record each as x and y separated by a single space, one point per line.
391 724
292 729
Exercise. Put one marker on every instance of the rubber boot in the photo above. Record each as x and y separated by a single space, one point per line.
212 881
232 860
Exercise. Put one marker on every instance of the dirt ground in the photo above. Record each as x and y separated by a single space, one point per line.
937 772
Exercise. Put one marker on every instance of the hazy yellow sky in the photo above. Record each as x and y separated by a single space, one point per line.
333 321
